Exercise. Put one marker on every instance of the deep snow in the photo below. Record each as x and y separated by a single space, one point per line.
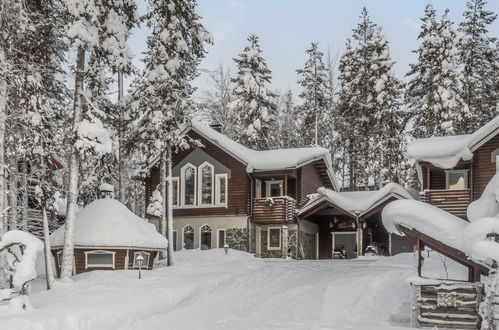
208 290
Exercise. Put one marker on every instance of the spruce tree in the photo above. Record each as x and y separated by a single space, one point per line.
433 92
314 110
478 57
288 123
253 102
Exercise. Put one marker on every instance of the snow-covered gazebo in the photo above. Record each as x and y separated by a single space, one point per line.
107 235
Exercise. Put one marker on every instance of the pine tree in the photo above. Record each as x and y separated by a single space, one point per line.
288 123
101 30
252 105
162 95
433 93
314 111
477 57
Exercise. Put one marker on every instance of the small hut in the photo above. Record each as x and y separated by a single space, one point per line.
108 236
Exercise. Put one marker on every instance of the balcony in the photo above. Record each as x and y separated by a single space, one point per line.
453 201
273 210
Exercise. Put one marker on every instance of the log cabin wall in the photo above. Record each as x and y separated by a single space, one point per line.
238 184
309 181
483 167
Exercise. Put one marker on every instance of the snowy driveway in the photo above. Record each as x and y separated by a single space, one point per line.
208 290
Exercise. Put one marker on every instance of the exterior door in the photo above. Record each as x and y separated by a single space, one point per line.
346 241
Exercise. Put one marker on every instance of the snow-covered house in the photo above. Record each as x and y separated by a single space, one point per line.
107 235
224 193
454 170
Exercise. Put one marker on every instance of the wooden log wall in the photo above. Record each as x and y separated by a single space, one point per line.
281 212
448 305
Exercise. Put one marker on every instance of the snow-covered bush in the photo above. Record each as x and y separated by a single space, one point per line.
155 206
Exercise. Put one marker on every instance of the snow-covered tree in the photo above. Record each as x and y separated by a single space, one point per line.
433 92
477 56
314 80
161 100
253 103
155 206
289 125
101 29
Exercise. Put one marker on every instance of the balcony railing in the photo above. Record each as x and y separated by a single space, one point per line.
453 201
273 210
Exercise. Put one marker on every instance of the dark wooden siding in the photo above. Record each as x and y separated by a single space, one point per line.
483 168
238 185
309 181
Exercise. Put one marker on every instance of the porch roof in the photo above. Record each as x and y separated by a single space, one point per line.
355 203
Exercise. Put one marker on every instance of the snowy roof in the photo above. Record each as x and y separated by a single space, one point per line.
108 223
357 202
267 160
447 151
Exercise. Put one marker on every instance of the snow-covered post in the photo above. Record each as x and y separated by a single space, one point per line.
284 242
171 258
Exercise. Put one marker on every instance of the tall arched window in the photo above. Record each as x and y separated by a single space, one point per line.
206 179
188 178
188 237
205 240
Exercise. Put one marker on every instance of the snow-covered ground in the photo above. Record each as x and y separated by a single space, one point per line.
208 290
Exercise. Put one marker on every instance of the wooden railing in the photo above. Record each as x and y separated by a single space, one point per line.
453 201
273 210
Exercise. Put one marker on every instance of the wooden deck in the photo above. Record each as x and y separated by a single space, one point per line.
453 201
282 211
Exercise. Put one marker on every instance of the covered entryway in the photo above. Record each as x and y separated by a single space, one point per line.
349 223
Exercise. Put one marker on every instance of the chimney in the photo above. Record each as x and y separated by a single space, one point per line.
106 190
217 127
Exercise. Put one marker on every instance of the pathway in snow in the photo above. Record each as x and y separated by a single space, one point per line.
208 290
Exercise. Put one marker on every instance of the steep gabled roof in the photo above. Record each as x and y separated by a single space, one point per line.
356 203
267 160
447 151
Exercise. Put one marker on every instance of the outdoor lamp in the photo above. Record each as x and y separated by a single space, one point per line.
140 260
226 248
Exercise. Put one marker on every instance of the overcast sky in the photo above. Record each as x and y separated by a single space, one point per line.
287 27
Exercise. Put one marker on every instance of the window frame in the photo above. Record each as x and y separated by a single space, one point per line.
218 237
218 191
177 180
200 184
465 174
182 180
201 234
258 188
193 237
146 265
270 248
269 183
87 265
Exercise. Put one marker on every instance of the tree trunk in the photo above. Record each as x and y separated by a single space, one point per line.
74 163
49 273
13 192
24 216
3 126
121 165
171 258
162 183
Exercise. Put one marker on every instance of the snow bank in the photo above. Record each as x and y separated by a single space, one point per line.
487 205
359 201
108 223
446 151
267 159
425 218
25 269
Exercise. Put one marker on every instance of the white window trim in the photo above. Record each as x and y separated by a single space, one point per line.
268 239
183 238
258 188
464 171
177 180
182 180
218 237
217 189
87 265
200 184
200 232
148 259
269 183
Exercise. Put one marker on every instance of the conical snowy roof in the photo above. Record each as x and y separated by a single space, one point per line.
108 223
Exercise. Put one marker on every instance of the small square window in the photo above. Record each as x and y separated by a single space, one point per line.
457 180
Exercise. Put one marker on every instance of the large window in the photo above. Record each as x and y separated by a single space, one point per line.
99 259
188 237
274 238
206 184
205 237
274 188
145 262
221 189
188 177
456 179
